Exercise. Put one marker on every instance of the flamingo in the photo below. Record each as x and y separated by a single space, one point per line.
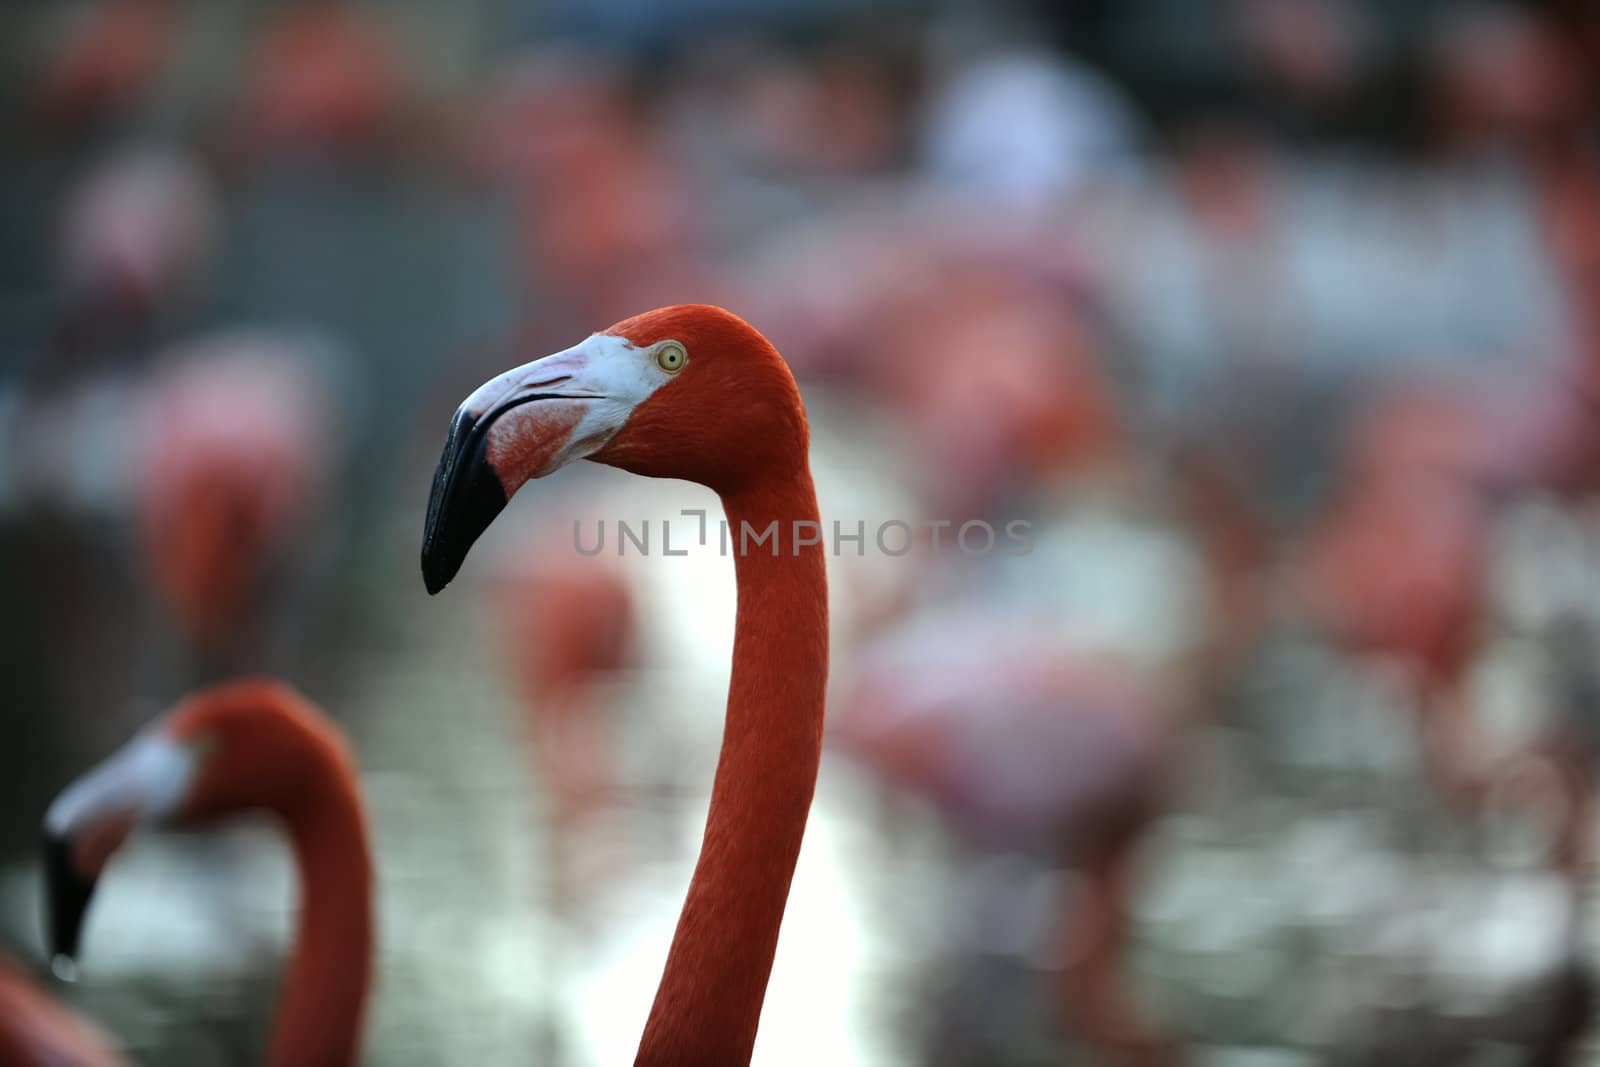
252 745
601 208
135 239
228 468
567 622
696 393
137 236
1398 566
36 1031
104 57
1398 570
1038 408
1022 741
321 76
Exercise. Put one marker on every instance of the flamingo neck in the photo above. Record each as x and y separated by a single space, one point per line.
709 1002
323 1000
37 1029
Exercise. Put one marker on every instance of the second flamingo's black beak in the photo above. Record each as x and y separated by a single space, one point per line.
67 896
466 497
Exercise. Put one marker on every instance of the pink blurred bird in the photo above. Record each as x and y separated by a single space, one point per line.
567 623
232 458
323 75
1397 567
137 235
606 219
1002 385
103 57
1019 741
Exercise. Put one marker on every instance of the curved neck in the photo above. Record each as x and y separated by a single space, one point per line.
323 1000
709 1002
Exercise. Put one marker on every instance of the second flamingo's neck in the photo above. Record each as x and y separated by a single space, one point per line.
709 1002
323 1001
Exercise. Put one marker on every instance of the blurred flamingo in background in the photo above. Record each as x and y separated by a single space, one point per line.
1397 571
1036 408
1397 566
605 219
1022 736
138 230
233 454
102 56
36 1031
322 76
978 343
567 625
688 392
134 241
137 235
247 746
1022 742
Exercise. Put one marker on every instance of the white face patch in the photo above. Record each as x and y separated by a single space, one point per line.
148 778
585 394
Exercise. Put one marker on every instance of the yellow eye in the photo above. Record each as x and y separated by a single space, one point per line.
671 356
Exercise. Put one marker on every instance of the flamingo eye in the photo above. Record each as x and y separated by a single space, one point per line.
671 356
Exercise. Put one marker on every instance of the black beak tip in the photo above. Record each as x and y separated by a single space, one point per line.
67 895
435 574
465 498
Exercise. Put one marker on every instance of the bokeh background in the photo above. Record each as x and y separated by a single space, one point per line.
1278 321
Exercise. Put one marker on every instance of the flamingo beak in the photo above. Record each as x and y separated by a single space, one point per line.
523 424
67 896
147 780
465 498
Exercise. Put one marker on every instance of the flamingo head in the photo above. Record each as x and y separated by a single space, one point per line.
690 392
236 747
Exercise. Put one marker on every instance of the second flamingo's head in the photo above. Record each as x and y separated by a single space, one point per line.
690 392
250 745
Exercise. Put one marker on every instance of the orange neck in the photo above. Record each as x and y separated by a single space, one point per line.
709 1003
36 1029
324 992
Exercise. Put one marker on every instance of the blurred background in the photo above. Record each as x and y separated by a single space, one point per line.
1277 320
